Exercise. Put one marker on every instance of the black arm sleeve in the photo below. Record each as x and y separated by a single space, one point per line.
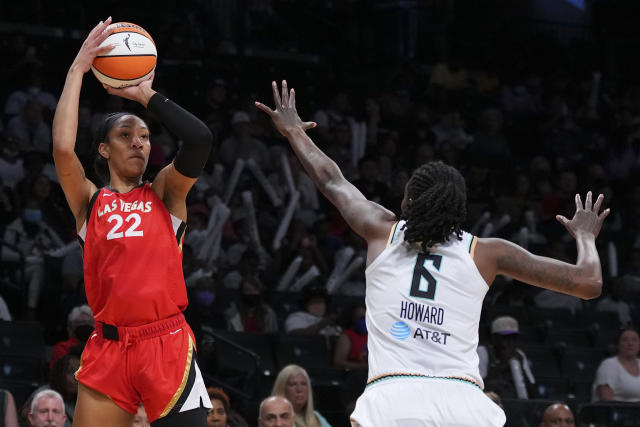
195 135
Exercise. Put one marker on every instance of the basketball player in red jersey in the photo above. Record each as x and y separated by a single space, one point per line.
142 351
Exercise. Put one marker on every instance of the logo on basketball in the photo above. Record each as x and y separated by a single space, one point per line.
400 331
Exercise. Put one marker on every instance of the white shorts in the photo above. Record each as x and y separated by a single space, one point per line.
425 402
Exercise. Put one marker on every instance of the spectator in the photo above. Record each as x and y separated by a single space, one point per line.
63 381
293 383
11 164
502 363
47 410
221 414
618 377
612 302
28 237
31 129
242 145
276 411
8 412
217 415
140 419
249 313
79 327
350 350
557 415
313 318
368 179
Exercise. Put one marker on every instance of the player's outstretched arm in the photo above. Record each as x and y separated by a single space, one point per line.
368 219
77 188
582 279
175 180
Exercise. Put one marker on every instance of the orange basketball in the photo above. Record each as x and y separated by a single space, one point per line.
131 60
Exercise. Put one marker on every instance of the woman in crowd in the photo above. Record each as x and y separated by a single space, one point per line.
293 383
618 377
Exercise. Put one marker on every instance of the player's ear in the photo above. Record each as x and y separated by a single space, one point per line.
104 150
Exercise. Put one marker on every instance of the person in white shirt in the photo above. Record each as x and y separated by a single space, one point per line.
618 377
426 280
313 318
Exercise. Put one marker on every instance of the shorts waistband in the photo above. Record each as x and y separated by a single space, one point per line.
146 331
380 378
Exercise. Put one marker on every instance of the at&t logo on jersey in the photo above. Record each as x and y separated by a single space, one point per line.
400 331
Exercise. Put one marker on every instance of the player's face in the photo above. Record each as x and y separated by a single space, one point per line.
217 416
127 151
297 391
629 344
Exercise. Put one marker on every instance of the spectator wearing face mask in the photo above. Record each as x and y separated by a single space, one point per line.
249 313
79 328
350 351
26 239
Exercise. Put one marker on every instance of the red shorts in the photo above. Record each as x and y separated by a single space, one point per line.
154 364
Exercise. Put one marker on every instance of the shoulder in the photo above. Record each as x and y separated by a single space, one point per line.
609 363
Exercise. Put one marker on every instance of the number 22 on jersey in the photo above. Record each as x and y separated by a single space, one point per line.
132 221
423 284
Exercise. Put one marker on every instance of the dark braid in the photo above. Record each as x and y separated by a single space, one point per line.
437 205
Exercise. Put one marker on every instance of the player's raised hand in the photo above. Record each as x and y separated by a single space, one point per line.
90 47
140 93
285 117
587 218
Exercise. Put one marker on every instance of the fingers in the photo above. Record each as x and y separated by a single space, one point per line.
100 28
292 99
276 95
285 94
598 203
578 202
264 108
588 201
604 214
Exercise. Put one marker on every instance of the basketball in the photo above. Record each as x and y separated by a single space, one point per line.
131 60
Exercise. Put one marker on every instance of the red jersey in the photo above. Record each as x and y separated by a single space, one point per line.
132 249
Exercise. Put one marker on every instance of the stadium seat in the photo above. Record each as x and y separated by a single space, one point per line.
309 351
567 337
597 320
543 360
610 414
582 362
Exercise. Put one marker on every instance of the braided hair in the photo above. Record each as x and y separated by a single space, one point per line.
436 207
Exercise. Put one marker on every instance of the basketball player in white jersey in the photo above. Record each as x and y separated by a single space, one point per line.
426 280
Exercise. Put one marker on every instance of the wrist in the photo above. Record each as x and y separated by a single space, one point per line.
294 131
146 93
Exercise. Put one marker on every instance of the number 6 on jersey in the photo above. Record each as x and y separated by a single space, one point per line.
421 273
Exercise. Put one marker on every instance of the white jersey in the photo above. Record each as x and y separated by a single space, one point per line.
423 310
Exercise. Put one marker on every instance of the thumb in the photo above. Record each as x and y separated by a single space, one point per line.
308 125
562 220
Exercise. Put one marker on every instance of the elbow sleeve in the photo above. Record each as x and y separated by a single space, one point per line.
195 135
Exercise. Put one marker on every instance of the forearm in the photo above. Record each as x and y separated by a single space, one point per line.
320 167
65 120
195 135
588 261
